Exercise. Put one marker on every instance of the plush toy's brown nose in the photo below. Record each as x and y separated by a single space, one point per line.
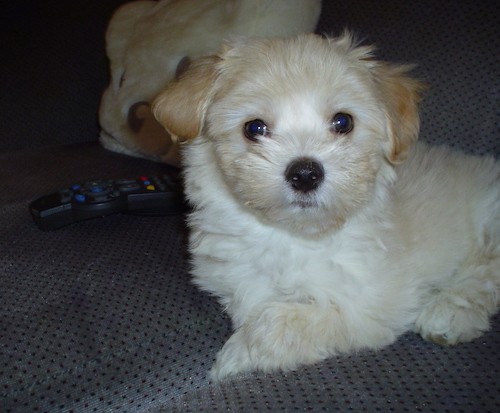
304 174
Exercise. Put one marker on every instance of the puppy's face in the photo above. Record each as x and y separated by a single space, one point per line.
302 128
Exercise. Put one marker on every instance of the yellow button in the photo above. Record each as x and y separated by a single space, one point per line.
150 188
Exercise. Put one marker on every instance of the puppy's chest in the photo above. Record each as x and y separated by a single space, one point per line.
285 264
290 265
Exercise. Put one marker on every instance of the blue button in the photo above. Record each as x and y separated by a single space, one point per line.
75 187
96 189
147 182
80 198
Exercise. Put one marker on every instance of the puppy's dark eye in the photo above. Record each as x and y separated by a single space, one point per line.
342 123
255 128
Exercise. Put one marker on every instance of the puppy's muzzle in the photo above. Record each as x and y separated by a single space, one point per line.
304 174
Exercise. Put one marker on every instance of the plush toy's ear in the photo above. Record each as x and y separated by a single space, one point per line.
401 95
181 107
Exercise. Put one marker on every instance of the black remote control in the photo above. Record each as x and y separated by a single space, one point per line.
156 195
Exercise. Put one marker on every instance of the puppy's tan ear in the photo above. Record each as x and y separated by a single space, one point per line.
401 95
181 107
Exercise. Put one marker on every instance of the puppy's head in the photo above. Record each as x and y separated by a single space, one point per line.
304 129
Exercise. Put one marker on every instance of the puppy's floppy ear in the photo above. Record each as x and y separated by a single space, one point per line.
181 107
401 95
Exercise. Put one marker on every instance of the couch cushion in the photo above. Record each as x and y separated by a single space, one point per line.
453 47
101 316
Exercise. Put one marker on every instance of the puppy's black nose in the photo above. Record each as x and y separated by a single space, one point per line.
304 174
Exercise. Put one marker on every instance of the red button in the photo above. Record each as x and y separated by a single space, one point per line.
143 178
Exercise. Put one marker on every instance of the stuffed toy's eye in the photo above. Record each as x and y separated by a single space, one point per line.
255 128
342 123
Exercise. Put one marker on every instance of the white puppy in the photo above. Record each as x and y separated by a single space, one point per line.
308 225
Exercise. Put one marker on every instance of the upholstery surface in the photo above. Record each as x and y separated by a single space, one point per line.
454 48
101 316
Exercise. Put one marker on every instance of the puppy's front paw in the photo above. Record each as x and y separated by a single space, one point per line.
280 336
234 358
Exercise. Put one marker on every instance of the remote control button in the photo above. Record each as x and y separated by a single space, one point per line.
80 198
159 183
150 187
143 178
146 182
124 181
130 187
75 187
96 189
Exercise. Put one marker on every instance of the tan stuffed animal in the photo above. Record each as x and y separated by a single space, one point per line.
150 43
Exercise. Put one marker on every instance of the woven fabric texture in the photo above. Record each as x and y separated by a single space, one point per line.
101 316
454 48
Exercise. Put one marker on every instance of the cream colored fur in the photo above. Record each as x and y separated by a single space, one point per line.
145 42
398 236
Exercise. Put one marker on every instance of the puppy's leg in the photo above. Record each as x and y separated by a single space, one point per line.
286 335
460 311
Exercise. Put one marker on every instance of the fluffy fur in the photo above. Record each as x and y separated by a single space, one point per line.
150 42
396 236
